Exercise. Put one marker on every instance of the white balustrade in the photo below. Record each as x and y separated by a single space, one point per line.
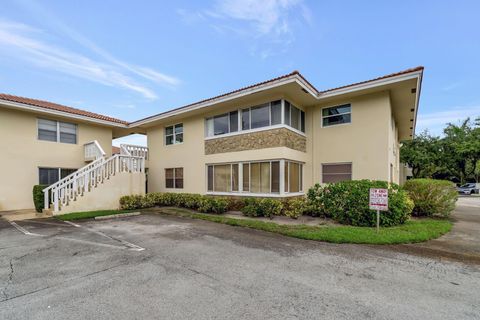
133 150
89 177
93 150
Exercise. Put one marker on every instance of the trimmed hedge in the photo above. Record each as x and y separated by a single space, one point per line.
432 197
266 207
198 202
38 198
347 202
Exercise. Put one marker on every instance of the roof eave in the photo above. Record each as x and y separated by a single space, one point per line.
294 78
36 109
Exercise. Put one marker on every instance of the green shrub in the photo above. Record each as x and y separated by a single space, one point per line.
297 207
150 200
267 207
315 196
213 205
432 197
192 201
347 202
38 197
131 202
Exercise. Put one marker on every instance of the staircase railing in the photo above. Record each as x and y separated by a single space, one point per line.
134 150
89 177
93 150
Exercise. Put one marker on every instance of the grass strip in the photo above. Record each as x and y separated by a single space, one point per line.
412 231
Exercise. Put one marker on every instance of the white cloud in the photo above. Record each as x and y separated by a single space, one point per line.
55 23
269 23
436 121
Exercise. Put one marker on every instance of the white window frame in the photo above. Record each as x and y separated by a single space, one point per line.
269 127
338 124
58 131
174 134
241 192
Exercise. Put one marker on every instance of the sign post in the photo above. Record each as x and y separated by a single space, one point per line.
378 201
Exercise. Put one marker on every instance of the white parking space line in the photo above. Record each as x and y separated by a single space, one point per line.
23 230
125 244
130 245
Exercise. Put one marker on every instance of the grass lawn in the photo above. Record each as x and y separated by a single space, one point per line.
90 214
418 230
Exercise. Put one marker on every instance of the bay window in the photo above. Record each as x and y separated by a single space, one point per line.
256 117
259 177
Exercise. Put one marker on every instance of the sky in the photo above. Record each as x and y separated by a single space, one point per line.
133 59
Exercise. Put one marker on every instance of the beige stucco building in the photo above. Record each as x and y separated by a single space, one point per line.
276 138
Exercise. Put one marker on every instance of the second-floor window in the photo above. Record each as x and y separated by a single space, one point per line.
260 116
336 115
57 131
174 134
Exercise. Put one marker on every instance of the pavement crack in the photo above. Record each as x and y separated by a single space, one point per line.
9 280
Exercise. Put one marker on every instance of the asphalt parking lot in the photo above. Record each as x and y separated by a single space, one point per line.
162 267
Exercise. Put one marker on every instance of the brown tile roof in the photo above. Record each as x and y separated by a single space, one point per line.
295 72
115 150
58 107
419 68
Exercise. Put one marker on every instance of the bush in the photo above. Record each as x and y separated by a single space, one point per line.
38 197
297 207
131 202
213 205
432 197
266 207
347 203
315 196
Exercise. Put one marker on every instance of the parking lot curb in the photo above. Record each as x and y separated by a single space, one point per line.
118 215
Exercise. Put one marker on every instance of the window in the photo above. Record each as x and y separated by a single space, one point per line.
174 134
276 112
56 131
257 177
245 119
261 116
294 117
336 172
174 178
222 124
49 176
293 176
336 115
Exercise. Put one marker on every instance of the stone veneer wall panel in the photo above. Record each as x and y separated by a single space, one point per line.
280 137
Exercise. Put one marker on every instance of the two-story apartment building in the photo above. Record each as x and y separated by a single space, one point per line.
276 138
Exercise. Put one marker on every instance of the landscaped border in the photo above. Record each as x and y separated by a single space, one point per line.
413 231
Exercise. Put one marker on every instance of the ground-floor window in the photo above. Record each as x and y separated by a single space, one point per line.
174 178
263 177
336 172
49 176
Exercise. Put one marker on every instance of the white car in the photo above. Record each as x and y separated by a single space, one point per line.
469 188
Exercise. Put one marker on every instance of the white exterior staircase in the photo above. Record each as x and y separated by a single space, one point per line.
88 178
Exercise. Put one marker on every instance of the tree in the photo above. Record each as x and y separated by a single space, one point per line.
460 149
455 156
420 154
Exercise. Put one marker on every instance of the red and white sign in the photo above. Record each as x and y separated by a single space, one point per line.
378 199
